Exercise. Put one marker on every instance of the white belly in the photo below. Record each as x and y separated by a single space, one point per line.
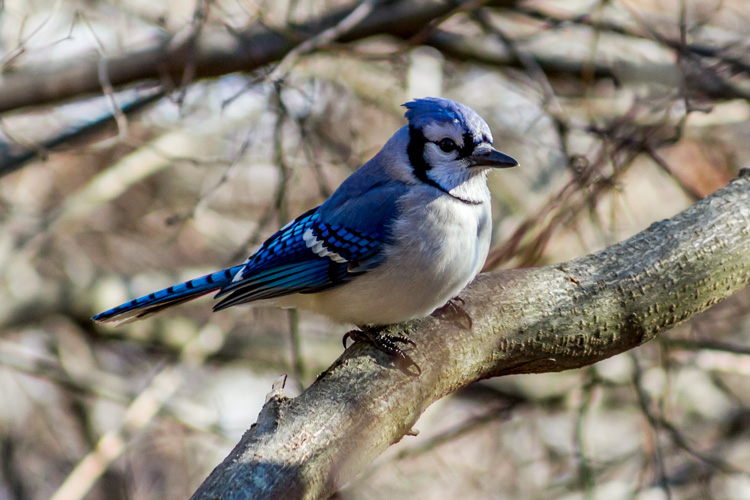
436 258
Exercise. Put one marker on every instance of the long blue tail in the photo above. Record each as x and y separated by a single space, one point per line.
168 297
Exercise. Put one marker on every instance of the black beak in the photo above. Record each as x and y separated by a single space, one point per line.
487 156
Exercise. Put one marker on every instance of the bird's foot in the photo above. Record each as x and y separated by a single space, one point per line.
387 344
454 308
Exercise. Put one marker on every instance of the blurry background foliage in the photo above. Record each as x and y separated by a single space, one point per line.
620 112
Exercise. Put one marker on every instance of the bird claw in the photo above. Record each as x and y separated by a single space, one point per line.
455 308
387 344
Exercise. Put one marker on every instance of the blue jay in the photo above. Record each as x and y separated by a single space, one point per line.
400 237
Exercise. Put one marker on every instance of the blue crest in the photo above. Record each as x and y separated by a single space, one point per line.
435 109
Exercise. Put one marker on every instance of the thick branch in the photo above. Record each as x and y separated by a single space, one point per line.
543 319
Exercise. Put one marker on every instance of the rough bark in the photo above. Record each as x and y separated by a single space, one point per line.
542 319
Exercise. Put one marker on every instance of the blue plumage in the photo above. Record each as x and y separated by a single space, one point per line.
305 256
432 110
421 112
401 236
173 295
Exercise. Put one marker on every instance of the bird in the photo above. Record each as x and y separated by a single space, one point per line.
397 240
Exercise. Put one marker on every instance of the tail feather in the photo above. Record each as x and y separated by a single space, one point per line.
168 297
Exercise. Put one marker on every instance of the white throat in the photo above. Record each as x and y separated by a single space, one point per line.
467 184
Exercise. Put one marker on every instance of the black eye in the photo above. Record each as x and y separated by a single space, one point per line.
447 145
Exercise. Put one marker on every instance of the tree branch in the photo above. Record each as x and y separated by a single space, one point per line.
544 319
214 53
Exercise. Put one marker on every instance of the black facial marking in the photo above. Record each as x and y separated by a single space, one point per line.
415 150
468 148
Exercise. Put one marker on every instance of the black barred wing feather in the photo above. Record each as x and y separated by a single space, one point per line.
305 256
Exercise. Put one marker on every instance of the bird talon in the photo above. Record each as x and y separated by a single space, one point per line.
392 339
455 308
387 344
347 336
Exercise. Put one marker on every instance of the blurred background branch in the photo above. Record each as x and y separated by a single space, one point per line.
146 142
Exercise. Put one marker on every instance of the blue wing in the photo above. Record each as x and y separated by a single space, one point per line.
321 249
307 255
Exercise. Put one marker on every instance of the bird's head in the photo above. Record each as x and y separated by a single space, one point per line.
450 144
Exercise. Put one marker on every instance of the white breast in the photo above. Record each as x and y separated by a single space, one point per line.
442 245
